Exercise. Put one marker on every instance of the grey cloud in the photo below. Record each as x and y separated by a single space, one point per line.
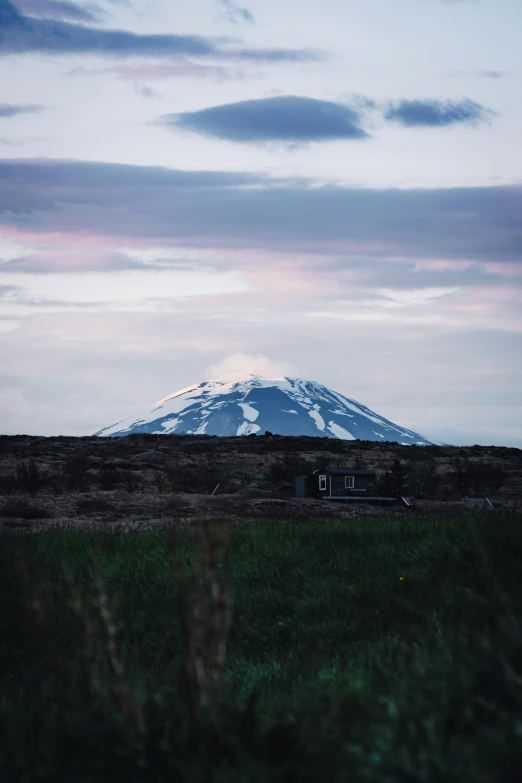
433 113
61 9
12 109
236 13
274 55
491 74
247 210
287 118
145 91
405 275
479 74
9 291
21 34
48 263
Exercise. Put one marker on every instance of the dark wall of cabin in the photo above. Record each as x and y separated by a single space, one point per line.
363 484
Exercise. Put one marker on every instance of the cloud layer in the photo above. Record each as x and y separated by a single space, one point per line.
8 110
248 210
292 119
436 114
61 9
22 34
287 118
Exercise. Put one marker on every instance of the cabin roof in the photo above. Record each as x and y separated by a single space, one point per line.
345 472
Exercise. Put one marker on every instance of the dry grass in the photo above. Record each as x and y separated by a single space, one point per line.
204 627
205 624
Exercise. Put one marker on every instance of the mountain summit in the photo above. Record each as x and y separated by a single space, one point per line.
242 404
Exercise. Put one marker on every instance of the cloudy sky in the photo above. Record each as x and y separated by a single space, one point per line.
330 190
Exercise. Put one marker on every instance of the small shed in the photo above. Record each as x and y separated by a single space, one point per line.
340 484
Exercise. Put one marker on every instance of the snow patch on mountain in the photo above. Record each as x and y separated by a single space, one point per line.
248 412
339 431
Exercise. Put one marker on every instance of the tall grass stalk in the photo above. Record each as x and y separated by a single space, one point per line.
205 624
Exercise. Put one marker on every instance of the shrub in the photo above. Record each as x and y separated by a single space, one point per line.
174 503
108 478
394 483
180 478
477 478
201 477
133 482
21 509
57 483
8 484
30 477
160 481
423 479
287 468
359 463
75 469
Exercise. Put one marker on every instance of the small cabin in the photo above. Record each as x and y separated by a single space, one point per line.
339 484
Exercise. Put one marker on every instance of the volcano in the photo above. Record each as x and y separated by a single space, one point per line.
243 404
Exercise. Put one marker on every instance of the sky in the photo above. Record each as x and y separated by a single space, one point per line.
331 191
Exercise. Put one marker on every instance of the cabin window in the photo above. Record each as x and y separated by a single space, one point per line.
322 482
349 482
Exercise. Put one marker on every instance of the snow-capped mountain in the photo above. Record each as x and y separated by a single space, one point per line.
242 404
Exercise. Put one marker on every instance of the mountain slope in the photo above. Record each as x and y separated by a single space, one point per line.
239 404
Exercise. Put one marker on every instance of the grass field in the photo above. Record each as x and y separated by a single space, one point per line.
374 651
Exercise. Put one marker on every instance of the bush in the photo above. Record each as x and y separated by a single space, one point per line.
21 509
288 467
180 478
477 478
423 479
75 469
92 505
133 482
30 477
394 483
160 481
8 484
57 483
174 503
199 478
108 478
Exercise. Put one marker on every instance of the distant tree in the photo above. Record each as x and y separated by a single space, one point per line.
75 470
8 484
57 483
423 478
288 467
30 477
108 478
477 478
395 482
159 480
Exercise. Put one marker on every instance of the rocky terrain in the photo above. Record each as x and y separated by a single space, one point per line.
151 481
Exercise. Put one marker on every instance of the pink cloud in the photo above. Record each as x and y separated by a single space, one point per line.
162 71
503 270
443 265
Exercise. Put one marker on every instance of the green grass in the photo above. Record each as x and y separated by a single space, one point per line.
336 668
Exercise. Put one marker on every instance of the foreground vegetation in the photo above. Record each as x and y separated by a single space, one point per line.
376 651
